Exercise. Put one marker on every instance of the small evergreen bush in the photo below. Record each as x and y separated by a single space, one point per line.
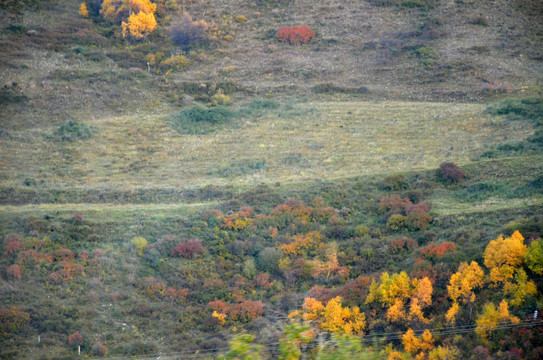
197 119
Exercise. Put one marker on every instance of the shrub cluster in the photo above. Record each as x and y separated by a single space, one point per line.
295 35
72 131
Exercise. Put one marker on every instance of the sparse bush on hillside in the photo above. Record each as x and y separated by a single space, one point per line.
140 243
175 62
295 35
450 173
11 93
186 33
395 182
72 131
198 119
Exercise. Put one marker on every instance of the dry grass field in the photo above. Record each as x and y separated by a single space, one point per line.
297 142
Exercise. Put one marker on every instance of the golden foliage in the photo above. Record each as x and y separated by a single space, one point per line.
520 289
503 256
333 317
418 347
451 313
395 313
491 318
139 242
303 243
415 311
312 309
423 291
83 10
115 10
463 282
394 291
221 318
139 25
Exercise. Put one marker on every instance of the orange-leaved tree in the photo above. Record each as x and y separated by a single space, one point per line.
83 11
416 346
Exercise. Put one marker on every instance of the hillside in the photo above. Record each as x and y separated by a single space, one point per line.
160 198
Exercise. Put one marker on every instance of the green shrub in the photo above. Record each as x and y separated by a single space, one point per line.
396 222
11 94
395 182
198 119
259 106
480 191
517 109
72 131
268 259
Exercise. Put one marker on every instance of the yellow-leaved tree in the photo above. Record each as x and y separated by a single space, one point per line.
504 256
333 317
396 291
492 318
83 11
139 25
461 288
137 17
418 347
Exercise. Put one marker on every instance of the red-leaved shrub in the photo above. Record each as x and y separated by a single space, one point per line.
436 251
295 35
402 243
12 248
189 249
75 339
14 272
450 173
393 204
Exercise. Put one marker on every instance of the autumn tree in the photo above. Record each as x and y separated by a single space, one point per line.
397 291
461 287
503 257
83 10
519 289
333 317
139 16
418 346
534 257
493 317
